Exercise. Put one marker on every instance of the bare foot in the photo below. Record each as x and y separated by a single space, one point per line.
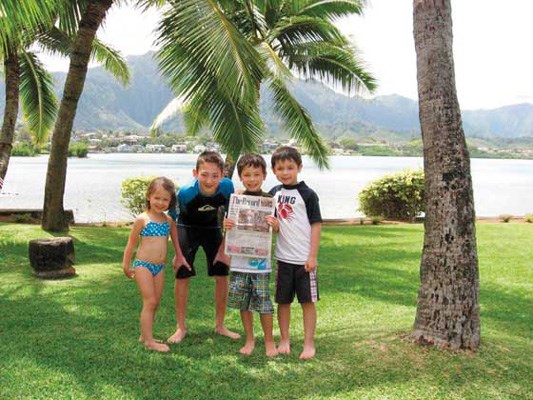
153 345
178 336
141 339
270 349
284 347
226 332
308 352
248 348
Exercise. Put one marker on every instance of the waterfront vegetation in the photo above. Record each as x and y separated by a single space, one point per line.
77 338
114 141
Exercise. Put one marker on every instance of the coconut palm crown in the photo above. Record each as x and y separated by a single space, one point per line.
217 54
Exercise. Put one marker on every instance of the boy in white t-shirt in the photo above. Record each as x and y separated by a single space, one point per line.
250 277
300 221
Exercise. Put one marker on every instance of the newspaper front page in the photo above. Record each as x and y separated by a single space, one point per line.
251 236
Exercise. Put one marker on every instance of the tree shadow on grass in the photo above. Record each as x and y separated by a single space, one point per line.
384 270
77 338
388 271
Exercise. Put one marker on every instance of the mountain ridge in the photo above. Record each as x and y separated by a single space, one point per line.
106 105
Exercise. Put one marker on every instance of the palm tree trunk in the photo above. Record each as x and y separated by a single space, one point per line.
229 166
448 299
53 211
12 72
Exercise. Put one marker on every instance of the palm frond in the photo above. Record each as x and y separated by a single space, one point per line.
54 41
197 39
236 125
298 123
333 9
195 117
274 63
332 65
238 129
18 18
112 61
144 5
171 110
304 29
39 104
69 16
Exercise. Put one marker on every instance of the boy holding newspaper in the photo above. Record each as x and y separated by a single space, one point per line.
250 217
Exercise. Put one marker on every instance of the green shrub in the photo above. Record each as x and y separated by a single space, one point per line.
25 218
506 217
23 150
395 196
376 220
133 193
79 150
529 218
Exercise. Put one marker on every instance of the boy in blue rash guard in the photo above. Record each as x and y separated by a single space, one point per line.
198 225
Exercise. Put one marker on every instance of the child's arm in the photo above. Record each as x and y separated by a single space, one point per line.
312 261
178 260
221 255
133 238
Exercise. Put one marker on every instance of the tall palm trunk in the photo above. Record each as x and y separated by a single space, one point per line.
448 299
229 166
53 211
12 72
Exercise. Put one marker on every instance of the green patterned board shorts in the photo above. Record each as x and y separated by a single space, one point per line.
250 292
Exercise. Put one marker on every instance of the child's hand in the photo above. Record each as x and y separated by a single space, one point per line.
128 272
273 222
179 262
222 257
228 223
311 264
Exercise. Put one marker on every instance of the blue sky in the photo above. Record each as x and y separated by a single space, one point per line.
492 47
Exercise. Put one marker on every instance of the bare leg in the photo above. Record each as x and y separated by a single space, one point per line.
148 285
221 297
309 317
248 324
181 293
270 345
159 285
284 319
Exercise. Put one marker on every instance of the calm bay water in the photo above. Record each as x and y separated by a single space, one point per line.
93 184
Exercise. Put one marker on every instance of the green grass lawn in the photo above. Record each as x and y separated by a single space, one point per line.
77 338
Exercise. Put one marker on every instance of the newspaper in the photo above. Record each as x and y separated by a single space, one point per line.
251 236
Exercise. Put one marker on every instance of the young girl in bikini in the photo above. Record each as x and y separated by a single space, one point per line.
153 227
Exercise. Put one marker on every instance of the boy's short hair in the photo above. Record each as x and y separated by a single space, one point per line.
286 153
209 156
253 160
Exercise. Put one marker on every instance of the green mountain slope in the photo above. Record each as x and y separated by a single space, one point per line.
105 105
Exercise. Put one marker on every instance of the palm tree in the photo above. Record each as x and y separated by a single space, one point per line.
25 73
92 14
17 19
217 54
448 299
83 19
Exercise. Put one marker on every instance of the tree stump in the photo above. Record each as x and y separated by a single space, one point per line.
52 258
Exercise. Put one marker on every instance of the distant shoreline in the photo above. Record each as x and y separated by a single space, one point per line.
12 215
